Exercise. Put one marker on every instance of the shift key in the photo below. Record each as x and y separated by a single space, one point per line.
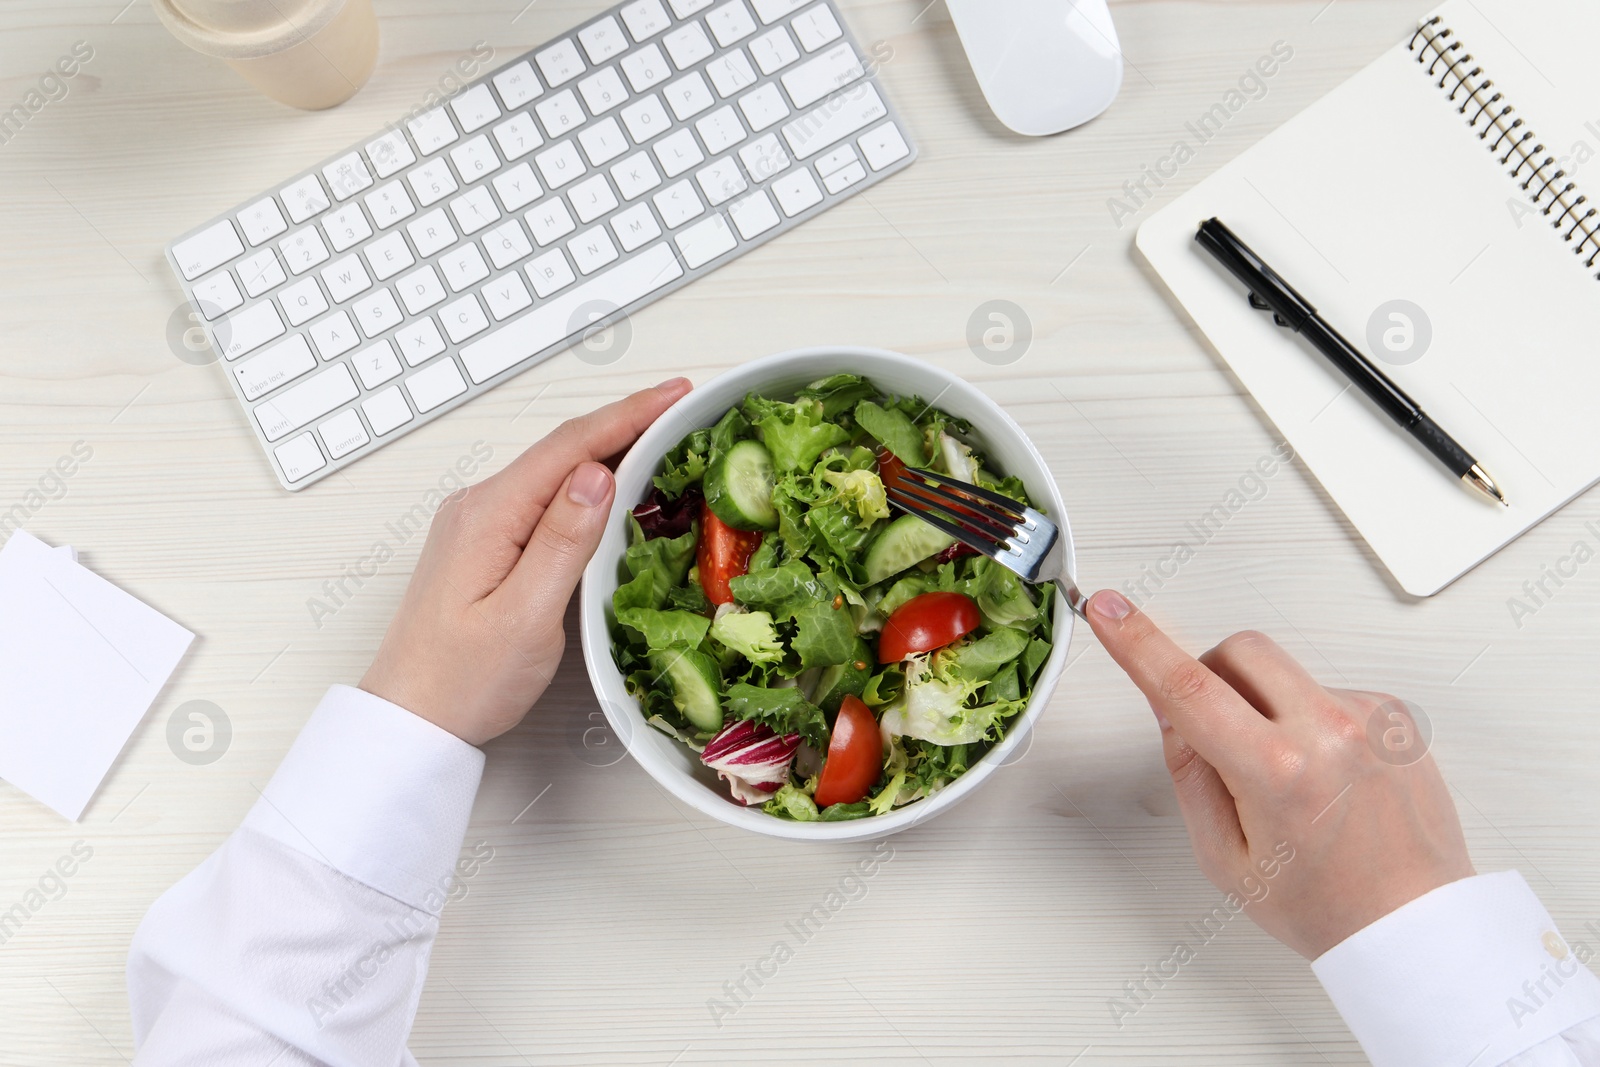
835 118
311 399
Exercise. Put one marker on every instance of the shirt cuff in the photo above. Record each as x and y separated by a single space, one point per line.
377 793
1471 973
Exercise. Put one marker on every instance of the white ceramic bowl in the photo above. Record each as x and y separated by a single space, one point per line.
673 764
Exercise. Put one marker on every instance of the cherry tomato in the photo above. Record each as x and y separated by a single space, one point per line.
723 553
925 623
855 756
890 467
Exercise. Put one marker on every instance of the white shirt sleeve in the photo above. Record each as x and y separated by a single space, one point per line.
305 938
1473 973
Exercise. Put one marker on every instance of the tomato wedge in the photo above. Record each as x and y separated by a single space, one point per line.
925 623
855 756
724 553
890 467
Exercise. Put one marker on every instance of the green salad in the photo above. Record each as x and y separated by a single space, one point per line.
827 656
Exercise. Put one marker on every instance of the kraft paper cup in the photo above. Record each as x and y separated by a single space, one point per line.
309 54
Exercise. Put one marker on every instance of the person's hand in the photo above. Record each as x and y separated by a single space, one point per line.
1288 805
479 632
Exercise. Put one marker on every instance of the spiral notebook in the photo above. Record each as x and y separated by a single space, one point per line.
1440 210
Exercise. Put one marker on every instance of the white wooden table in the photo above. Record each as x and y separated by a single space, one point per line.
609 916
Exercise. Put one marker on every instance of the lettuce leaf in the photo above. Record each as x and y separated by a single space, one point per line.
786 710
791 802
749 633
782 590
665 559
826 635
796 434
838 393
894 430
860 492
665 629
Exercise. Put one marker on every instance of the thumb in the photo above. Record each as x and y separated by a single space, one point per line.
562 544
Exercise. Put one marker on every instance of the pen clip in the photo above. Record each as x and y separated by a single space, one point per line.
1261 305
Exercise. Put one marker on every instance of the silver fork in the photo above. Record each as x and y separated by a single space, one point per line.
1016 537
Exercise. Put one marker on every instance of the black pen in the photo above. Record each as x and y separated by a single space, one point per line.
1269 292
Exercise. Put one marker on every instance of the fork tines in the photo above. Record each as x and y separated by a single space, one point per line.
979 518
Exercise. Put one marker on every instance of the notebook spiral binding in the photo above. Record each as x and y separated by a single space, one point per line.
1441 51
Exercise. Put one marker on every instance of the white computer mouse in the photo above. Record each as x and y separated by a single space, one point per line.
1044 65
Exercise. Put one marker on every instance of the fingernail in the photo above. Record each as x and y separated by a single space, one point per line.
675 387
1109 605
590 485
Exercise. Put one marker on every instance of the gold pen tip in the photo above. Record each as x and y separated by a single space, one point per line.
1479 479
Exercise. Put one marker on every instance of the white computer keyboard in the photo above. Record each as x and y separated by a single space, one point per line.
582 180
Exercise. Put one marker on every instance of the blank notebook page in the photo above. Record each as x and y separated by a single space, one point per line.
1381 192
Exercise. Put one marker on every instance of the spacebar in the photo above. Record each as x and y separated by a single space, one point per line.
553 321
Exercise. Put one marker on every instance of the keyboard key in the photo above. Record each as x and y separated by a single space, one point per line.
432 130
386 411
730 22
560 164
559 63
347 176
839 117
389 204
303 301
645 119
299 458
517 187
517 136
552 322
753 215
797 191
731 73
249 329
463 318
592 198
260 272
261 220
303 250
419 342
346 227
603 141
343 434
774 50
688 96
517 84
377 313
434 385
388 256
817 77
687 45
592 249
278 365
845 177
475 108
721 181
431 233
684 8
217 295
376 364
678 204
474 159
883 146
720 130
304 198
678 153
763 107
463 266
334 335
390 153
602 39
207 250
550 221
764 157
836 159
705 241
646 68
506 296
635 176
432 182
475 210
816 27
645 19
506 244
549 273
602 90
772 10
345 278
635 227
421 289
561 113
311 399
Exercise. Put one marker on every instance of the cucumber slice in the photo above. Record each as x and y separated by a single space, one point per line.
695 682
907 540
844 679
738 487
